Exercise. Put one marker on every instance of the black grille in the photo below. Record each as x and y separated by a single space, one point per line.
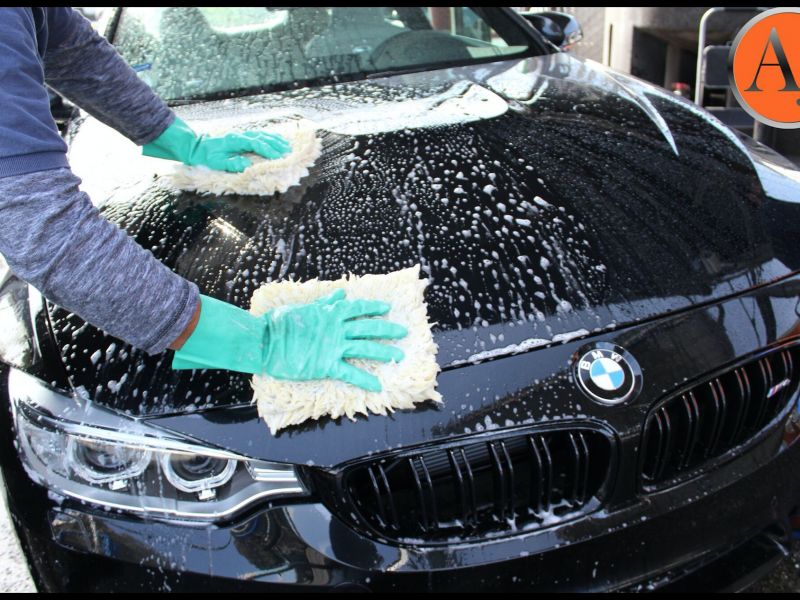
692 429
470 489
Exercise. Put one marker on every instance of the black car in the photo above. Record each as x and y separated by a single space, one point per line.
615 291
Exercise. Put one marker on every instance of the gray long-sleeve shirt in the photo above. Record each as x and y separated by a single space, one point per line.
50 233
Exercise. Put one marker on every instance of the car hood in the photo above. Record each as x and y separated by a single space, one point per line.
545 199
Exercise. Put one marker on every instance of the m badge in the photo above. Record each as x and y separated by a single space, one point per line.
607 373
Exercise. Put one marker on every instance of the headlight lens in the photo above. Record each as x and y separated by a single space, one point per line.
99 463
102 457
197 473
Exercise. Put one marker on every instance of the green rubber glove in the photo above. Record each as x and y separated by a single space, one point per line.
179 142
298 341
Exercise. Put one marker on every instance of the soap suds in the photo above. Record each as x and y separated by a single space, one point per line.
522 346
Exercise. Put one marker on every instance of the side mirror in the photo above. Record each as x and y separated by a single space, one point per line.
559 28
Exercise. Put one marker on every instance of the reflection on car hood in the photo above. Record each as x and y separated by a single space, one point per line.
545 199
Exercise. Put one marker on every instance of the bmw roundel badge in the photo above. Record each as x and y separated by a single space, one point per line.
607 373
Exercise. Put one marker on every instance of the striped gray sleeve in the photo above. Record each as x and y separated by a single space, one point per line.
55 239
88 71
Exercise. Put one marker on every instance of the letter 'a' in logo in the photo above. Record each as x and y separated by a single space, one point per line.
764 67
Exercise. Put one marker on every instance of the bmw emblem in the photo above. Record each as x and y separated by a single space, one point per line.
607 373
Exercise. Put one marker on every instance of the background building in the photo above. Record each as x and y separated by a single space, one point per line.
659 45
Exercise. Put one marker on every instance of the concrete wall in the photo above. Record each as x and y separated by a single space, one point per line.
656 43
629 31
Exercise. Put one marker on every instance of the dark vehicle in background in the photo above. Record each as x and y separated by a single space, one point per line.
615 291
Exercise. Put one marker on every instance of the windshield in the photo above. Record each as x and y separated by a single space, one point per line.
197 52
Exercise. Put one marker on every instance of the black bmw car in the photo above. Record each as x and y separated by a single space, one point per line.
614 281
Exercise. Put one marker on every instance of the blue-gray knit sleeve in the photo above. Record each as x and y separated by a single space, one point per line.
89 71
55 239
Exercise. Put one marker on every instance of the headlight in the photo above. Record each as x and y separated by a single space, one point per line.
195 473
98 463
97 455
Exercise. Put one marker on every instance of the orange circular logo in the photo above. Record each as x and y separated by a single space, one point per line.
764 67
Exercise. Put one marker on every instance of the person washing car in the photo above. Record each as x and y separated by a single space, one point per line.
55 239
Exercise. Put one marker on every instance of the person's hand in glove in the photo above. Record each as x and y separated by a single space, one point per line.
179 142
298 341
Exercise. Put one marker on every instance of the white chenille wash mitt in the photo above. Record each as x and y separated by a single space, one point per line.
264 177
283 403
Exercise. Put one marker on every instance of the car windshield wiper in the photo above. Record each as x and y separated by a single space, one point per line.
399 71
267 89
342 78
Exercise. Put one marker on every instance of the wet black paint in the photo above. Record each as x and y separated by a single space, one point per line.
569 214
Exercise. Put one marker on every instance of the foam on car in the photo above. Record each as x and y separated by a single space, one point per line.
265 177
282 403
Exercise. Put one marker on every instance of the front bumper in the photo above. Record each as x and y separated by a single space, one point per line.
685 536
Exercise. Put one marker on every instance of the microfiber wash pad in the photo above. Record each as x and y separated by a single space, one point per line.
282 403
264 177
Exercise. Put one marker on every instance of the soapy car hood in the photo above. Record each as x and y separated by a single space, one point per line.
545 199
